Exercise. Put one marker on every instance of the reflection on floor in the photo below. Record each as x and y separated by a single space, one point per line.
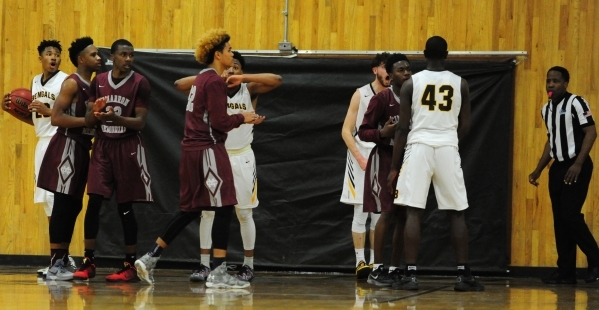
20 289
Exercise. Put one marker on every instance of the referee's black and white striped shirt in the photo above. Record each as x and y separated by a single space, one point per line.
564 122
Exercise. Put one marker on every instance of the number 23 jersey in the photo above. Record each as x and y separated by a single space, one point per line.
436 104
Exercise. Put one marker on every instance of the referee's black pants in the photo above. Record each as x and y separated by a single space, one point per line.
569 225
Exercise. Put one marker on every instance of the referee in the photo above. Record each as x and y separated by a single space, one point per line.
571 134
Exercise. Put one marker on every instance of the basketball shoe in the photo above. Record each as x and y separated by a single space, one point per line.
59 272
200 274
245 273
127 274
219 278
86 271
145 267
466 284
363 270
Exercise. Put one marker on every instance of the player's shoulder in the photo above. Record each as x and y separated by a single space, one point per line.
384 94
61 75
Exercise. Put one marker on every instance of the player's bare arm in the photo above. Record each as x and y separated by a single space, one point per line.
401 132
256 83
590 134
67 95
6 107
184 84
138 122
348 127
464 117
40 108
543 162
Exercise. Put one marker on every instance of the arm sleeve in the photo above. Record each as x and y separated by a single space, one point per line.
93 86
216 104
369 130
582 112
142 98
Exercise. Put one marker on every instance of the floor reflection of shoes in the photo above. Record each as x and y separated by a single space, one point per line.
227 297
84 290
59 290
144 298
197 288
127 289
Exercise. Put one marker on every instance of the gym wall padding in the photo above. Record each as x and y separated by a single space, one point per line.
300 158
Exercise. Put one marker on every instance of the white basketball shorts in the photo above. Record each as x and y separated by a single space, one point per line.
353 181
243 164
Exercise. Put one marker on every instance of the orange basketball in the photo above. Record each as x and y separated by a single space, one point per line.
20 99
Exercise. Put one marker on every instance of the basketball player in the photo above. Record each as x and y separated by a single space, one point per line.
44 89
378 126
118 163
65 165
243 97
205 171
435 111
357 153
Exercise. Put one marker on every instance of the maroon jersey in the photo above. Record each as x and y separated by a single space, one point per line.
206 120
82 135
382 106
123 96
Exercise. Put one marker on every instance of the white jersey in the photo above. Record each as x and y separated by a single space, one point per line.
436 104
366 93
242 136
47 94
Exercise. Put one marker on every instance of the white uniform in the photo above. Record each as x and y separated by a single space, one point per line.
432 146
353 182
47 94
241 155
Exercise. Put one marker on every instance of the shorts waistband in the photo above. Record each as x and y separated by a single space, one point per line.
240 151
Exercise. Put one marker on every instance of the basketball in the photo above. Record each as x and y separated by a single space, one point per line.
20 99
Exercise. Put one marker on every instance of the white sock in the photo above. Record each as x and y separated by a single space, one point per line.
371 256
392 268
360 256
249 261
205 259
376 266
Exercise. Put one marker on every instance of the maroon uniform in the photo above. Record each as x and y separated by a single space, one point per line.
382 107
205 171
65 165
118 159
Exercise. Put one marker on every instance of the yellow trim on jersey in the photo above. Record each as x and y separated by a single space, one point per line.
239 151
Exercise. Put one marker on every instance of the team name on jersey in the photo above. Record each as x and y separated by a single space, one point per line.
236 106
44 94
113 129
118 99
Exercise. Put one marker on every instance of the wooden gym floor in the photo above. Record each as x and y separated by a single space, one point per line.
20 289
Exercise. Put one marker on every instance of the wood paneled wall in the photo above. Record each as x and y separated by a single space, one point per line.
557 32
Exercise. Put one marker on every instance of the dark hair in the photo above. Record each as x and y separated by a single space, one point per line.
77 47
436 48
563 71
237 55
48 43
379 59
393 59
117 43
217 48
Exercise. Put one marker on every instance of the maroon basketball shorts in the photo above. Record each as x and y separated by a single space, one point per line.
120 165
376 196
64 167
206 179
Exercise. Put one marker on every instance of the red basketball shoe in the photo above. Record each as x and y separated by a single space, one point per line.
127 274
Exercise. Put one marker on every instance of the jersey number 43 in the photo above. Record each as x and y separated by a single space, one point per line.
429 97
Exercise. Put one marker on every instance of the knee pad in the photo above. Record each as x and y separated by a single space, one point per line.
129 222
49 204
358 224
244 215
247 228
374 218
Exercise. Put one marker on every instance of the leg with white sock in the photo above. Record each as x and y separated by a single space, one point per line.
358 229
248 236
201 273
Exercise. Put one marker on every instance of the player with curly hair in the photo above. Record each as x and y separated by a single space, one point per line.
205 173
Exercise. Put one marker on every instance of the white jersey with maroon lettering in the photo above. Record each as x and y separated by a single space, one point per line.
242 136
47 94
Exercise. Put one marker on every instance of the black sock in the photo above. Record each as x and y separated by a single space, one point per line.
155 251
410 270
89 254
464 270
217 261
130 258
56 254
